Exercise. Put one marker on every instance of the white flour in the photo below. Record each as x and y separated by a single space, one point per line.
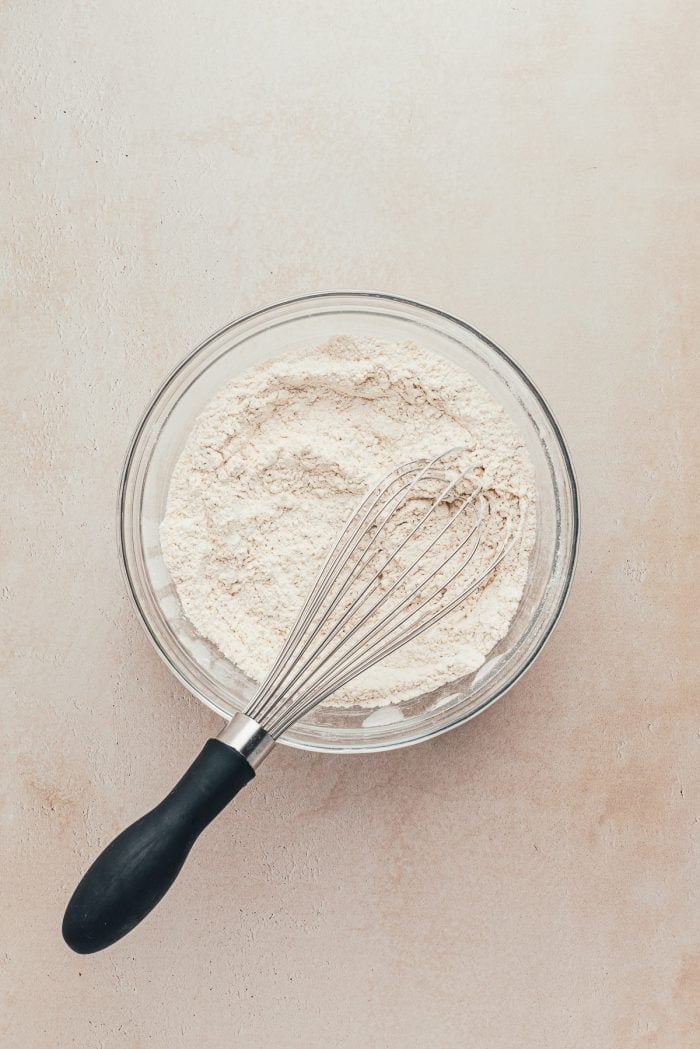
279 459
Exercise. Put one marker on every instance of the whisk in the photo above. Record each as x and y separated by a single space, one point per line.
421 542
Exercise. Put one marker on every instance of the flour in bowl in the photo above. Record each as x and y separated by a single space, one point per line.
281 457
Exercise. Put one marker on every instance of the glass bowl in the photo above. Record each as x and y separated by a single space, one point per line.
308 321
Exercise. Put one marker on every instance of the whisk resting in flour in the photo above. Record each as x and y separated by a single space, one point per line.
421 542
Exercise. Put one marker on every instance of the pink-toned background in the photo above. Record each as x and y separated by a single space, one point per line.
530 880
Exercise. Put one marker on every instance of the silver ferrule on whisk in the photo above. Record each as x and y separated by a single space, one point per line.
248 737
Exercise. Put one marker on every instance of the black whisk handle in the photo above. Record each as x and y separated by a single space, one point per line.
132 875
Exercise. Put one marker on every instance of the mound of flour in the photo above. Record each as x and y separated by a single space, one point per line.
283 454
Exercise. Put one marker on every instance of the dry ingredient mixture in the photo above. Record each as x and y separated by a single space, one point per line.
283 454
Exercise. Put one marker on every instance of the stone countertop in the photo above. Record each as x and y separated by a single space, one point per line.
528 880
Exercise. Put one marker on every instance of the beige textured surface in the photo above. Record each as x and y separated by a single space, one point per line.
530 880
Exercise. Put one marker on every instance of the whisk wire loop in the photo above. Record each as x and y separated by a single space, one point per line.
391 575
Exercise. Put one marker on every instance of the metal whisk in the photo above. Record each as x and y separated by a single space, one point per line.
352 619
422 541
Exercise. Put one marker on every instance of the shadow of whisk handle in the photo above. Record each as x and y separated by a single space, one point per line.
133 873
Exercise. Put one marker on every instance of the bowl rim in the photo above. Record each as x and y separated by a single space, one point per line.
357 295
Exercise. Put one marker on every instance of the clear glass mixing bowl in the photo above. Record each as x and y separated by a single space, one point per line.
308 321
